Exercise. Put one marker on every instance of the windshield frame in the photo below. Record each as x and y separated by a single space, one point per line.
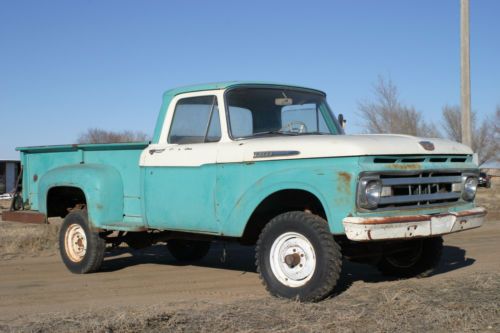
337 127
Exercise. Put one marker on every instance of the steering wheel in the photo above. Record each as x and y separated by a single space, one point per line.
295 126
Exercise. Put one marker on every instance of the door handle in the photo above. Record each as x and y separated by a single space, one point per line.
153 151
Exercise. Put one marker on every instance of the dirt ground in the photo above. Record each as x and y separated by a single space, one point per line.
148 291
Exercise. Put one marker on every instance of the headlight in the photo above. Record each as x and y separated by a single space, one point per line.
470 187
369 193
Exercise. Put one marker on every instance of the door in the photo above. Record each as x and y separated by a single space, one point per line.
180 172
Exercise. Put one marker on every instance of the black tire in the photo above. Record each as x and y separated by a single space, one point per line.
328 259
17 201
93 255
419 260
188 250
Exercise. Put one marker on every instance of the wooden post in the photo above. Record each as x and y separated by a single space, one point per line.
465 73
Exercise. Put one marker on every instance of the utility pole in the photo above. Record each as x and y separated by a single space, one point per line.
465 72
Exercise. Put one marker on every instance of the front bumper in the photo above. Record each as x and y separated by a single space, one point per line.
404 227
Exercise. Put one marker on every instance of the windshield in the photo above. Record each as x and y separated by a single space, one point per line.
256 112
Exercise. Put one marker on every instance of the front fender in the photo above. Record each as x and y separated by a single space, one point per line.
249 202
316 183
101 184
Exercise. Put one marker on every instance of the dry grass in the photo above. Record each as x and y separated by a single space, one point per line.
4 204
468 305
32 239
490 198
26 239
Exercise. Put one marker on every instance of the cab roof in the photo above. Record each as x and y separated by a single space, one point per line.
233 84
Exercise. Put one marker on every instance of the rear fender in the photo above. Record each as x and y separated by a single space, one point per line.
101 184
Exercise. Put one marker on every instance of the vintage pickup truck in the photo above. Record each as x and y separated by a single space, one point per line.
266 165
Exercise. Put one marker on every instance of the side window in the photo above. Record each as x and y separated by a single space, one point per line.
196 120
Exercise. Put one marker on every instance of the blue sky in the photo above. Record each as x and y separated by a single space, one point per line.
66 66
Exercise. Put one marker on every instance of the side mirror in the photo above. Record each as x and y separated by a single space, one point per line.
342 121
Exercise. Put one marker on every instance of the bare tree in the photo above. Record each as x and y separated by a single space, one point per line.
97 135
387 114
485 136
497 122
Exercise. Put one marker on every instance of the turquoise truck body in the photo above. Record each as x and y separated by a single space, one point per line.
216 198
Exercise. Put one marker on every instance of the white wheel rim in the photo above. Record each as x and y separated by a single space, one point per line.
75 242
292 259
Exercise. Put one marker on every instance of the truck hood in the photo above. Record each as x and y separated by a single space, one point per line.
317 146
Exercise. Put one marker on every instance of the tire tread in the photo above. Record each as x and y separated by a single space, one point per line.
96 245
332 253
430 258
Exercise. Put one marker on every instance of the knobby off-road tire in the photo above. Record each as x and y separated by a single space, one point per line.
419 261
81 249
297 257
188 250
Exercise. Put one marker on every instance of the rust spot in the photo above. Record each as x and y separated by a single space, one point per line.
405 166
344 182
397 219
23 216
345 176
419 218
470 213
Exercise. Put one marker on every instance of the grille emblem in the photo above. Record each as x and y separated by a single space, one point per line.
427 145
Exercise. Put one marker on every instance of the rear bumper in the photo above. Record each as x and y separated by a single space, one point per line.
403 227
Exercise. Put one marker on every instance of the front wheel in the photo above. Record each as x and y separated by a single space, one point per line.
416 258
297 257
81 249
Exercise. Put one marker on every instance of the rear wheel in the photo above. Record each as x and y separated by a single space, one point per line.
81 249
298 258
417 258
188 250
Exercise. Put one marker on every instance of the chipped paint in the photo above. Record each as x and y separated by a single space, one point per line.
396 219
404 227
344 182
405 166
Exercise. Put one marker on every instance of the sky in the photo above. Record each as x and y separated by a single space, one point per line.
66 66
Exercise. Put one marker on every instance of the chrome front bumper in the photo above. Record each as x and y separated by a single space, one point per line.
403 227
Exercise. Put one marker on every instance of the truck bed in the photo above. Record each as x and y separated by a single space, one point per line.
124 157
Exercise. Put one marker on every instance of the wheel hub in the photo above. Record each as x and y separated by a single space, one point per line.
75 241
293 259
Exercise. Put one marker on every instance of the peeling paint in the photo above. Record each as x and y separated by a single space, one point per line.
344 182
405 166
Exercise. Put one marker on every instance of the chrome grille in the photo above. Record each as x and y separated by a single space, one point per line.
413 181
418 189
425 188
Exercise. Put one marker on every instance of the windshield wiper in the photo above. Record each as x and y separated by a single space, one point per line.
274 132
315 133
